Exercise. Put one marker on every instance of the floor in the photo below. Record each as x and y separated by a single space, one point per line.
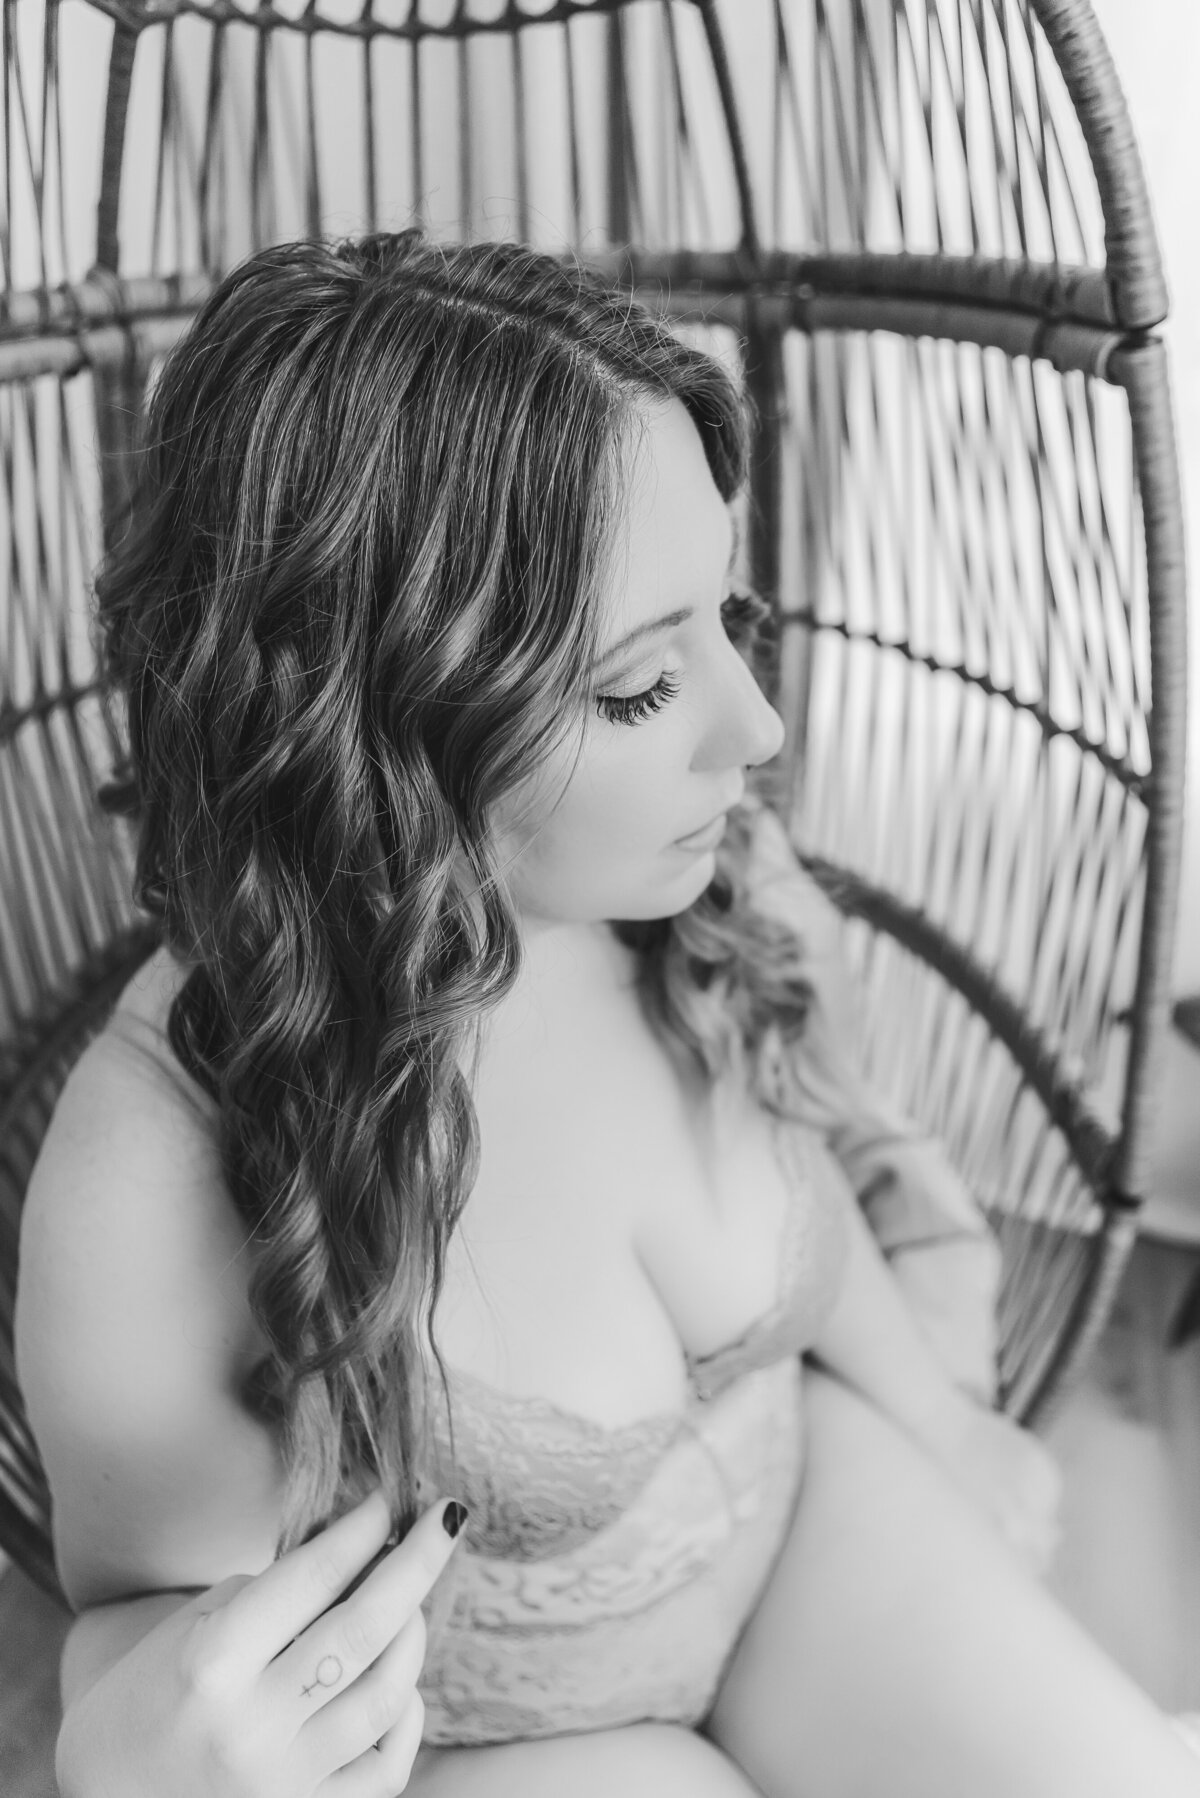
1128 1439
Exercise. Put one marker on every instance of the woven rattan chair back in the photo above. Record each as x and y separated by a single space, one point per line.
921 227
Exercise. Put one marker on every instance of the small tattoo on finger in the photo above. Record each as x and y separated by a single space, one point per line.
329 1671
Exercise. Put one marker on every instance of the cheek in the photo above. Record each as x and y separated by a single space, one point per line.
612 826
630 799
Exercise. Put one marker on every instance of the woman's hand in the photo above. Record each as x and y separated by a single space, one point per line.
1006 1471
281 1685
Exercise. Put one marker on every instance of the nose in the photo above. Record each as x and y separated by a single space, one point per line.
745 729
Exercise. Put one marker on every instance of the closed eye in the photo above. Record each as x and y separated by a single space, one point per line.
745 615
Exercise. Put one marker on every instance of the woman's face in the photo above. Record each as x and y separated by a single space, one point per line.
605 845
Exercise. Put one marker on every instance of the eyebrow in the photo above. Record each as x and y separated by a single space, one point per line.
668 621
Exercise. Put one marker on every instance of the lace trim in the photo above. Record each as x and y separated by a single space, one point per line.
656 1426
541 1485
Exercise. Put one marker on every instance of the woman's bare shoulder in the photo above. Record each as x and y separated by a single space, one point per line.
133 1326
129 1120
134 1047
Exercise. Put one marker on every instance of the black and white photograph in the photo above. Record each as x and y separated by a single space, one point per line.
599 878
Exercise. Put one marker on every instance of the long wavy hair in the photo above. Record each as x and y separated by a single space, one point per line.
355 604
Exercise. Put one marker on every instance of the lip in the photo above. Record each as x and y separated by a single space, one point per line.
706 838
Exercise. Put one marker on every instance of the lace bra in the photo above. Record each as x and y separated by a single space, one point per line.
539 1479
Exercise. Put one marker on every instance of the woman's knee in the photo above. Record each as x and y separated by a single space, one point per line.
642 1760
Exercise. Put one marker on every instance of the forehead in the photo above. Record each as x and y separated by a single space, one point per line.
678 528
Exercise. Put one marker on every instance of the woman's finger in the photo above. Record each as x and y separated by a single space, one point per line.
383 1770
328 1656
370 1706
272 1609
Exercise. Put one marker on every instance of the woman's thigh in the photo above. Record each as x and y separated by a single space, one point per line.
901 1650
645 1760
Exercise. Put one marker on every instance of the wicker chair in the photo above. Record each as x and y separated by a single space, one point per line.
922 227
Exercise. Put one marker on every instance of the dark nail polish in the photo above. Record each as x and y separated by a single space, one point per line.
453 1517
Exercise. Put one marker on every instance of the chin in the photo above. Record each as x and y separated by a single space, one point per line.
689 884
665 897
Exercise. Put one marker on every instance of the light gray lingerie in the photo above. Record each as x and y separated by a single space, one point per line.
606 1575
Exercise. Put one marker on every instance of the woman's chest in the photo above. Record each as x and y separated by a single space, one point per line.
623 1219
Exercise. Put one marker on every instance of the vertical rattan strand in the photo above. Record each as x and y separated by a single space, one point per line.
616 133
573 132
210 251
261 209
520 145
166 133
414 123
368 121
462 57
313 210
733 126
116 109
6 243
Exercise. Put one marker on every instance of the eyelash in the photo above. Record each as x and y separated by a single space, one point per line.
741 613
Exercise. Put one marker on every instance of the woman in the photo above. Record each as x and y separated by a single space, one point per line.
443 722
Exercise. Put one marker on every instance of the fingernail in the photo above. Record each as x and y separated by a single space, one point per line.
453 1517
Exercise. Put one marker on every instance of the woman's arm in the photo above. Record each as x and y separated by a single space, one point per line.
133 1336
872 1342
941 1253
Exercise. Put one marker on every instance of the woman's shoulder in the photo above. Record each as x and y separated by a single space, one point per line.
132 1054
130 1160
128 1114
126 1102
